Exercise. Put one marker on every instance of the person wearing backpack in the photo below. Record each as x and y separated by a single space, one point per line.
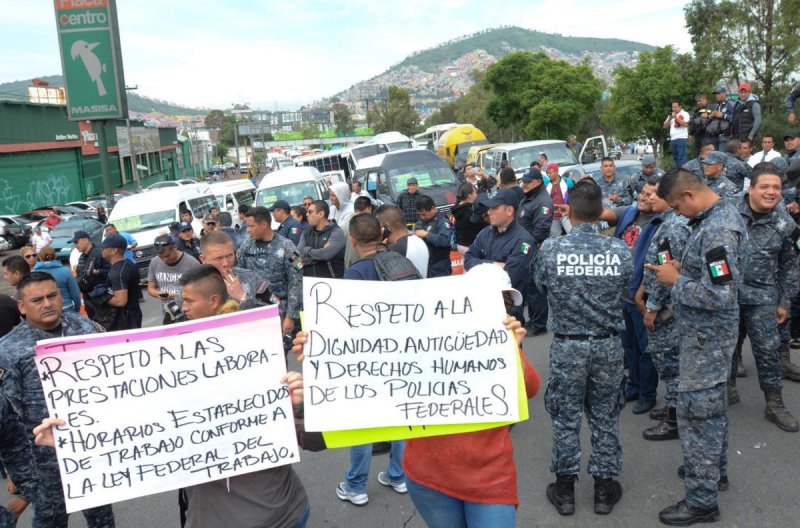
365 234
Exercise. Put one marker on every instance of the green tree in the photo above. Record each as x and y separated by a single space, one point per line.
342 119
756 41
214 119
536 97
445 114
396 114
642 96
472 108
309 131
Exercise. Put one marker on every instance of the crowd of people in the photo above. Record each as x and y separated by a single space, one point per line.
662 275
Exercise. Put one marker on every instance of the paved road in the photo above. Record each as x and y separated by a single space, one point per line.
763 472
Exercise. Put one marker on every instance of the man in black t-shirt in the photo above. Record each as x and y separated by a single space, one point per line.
123 280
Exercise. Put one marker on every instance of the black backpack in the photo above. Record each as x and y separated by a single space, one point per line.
392 266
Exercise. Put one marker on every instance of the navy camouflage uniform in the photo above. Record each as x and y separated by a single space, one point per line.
584 274
24 390
15 451
291 229
722 185
662 343
635 184
695 166
440 233
770 280
706 304
272 261
736 171
615 186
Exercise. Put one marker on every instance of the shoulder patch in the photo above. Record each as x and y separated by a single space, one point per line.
545 211
719 270
525 248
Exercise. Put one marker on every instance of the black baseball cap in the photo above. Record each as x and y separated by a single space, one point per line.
503 197
281 204
185 226
790 134
162 242
77 235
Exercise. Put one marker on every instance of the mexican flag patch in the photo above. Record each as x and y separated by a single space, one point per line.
525 248
294 231
719 269
545 211
664 257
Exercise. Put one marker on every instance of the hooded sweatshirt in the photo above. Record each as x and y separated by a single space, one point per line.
344 211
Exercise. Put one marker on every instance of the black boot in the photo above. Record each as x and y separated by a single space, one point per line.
667 429
778 414
607 492
682 514
658 413
561 494
789 370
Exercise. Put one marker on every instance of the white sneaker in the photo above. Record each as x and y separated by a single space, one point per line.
399 487
344 493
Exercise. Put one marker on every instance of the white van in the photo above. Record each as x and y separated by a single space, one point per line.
292 184
233 193
147 215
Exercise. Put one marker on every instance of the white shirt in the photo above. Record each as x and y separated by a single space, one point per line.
678 131
40 241
417 252
760 156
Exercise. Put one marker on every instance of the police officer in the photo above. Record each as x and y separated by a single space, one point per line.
289 227
613 188
704 292
736 170
244 286
584 274
41 303
535 214
275 259
770 277
696 165
714 175
635 184
92 269
436 231
504 242
17 456
654 301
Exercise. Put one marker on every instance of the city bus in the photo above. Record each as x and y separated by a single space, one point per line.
429 138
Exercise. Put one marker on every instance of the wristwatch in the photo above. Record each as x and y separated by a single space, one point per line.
650 310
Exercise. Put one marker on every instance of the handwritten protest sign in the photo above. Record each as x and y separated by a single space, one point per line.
158 409
385 354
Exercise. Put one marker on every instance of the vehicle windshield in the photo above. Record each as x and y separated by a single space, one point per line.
132 224
292 193
284 163
427 174
67 229
556 153
400 145
364 151
622 173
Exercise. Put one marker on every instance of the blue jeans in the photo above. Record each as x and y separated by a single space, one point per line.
304 519
443 511
678 148
360 460
642 375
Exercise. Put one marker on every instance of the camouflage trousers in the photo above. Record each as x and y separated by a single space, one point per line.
703 429
662 345
49 510
760 324
586 375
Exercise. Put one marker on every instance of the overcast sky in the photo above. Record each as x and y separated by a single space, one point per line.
283 54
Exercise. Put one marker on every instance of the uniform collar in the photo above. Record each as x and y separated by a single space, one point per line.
586 228
702 215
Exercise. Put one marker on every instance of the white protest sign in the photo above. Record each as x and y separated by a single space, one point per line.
406 353
157 409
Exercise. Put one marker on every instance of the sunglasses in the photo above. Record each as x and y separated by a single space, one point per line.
31 256
162 245
211 223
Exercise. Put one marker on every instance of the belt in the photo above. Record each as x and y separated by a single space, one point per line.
584 337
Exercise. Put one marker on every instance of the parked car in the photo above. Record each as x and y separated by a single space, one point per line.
64 211
216 169
615 153
625 169
64 232
16 230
